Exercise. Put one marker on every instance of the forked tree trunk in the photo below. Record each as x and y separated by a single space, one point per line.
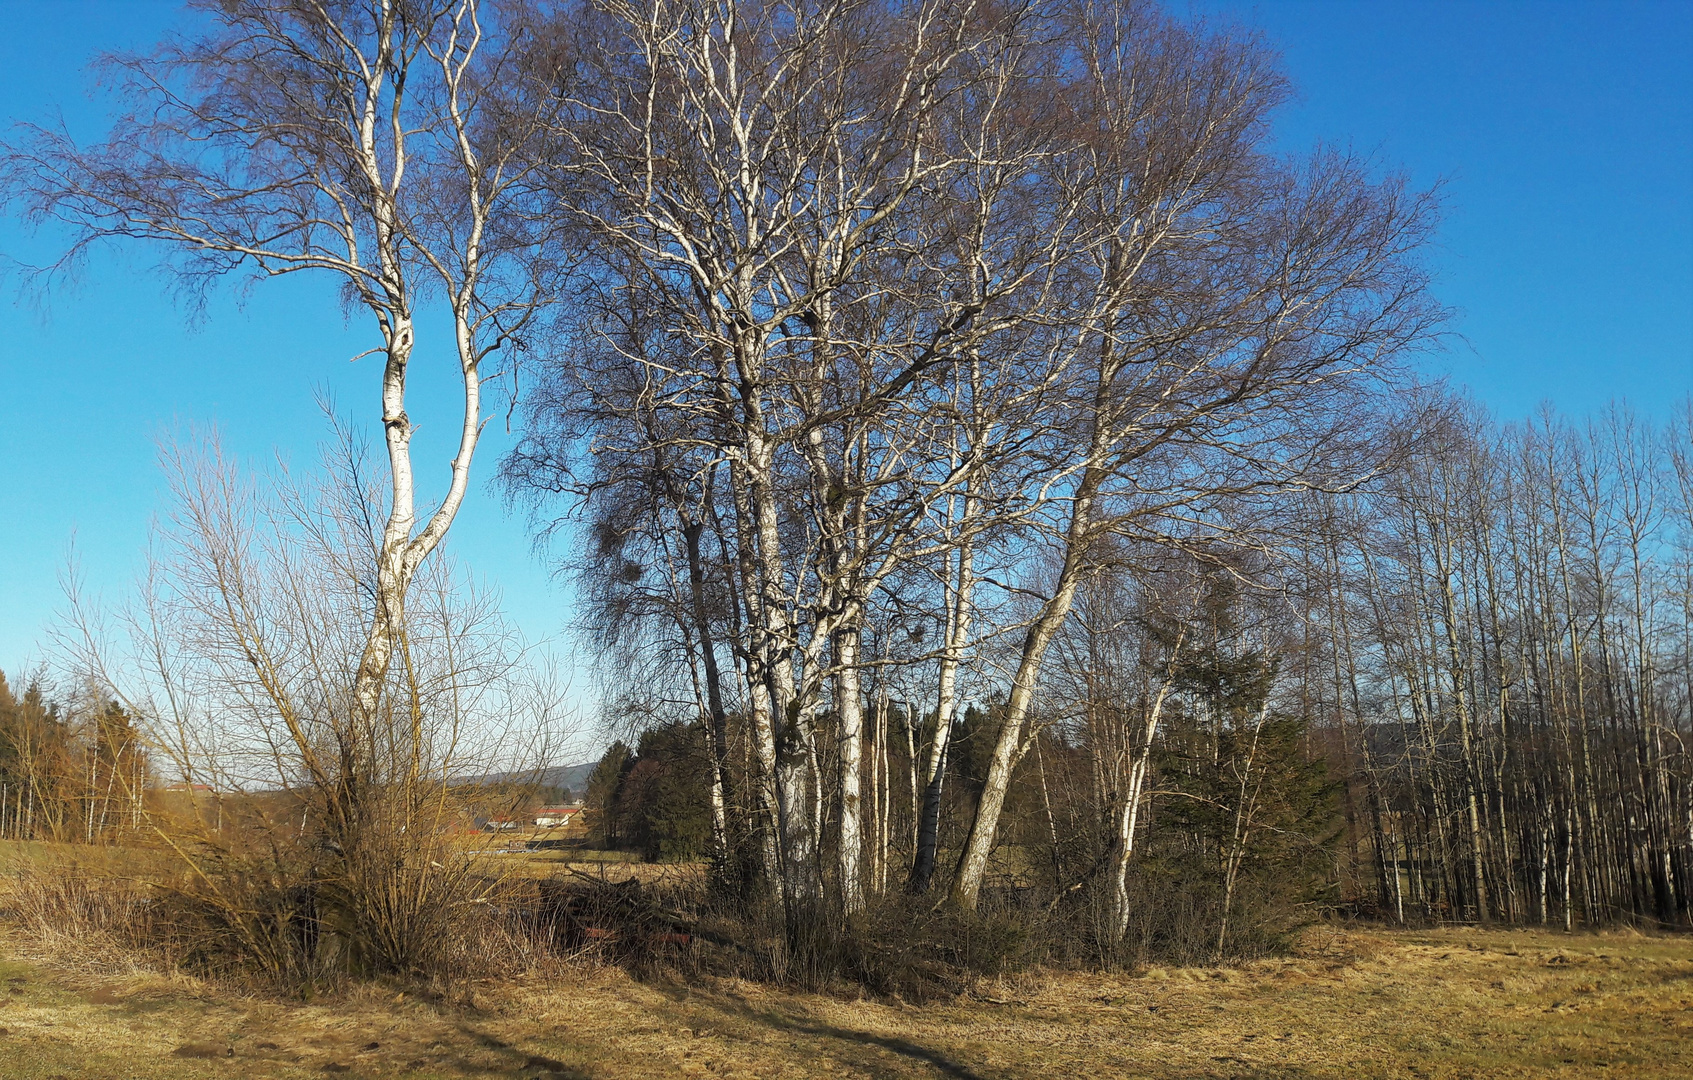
1128 812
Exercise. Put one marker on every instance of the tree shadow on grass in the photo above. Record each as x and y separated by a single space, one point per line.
832 1039
905 1047
513 1060
777 1020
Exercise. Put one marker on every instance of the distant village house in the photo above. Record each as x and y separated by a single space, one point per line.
551 817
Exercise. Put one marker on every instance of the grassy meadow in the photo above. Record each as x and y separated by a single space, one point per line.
1347 1004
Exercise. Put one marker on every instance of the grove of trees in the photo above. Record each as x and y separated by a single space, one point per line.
993 472
893 327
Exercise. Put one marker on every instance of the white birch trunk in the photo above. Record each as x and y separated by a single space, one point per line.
973 861
849 709
959 594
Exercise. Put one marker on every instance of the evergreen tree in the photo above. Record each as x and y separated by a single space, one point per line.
600 802
666 794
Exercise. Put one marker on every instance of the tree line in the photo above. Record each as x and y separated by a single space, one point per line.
71 775
1463 693
1508 625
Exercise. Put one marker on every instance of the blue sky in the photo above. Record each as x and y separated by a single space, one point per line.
1562 131
1563 135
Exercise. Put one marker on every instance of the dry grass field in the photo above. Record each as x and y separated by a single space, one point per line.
1347 1004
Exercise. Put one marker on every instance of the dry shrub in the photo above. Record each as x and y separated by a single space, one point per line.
492 941
908 948
328 753
651 929
1174 920
305 929
900 946
674 927
272 926
83 917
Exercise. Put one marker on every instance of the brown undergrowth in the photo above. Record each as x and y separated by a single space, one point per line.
663 926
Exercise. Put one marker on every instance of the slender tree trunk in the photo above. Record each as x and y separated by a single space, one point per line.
722 781
1246 809
959 594
1466 742
1128 810
973 860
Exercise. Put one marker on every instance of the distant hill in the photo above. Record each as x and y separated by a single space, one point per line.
574 777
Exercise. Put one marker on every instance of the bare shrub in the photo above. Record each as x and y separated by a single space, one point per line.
316 838
681 928
919 952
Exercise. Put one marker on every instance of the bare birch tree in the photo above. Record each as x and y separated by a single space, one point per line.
381 143
1236 304
386 145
